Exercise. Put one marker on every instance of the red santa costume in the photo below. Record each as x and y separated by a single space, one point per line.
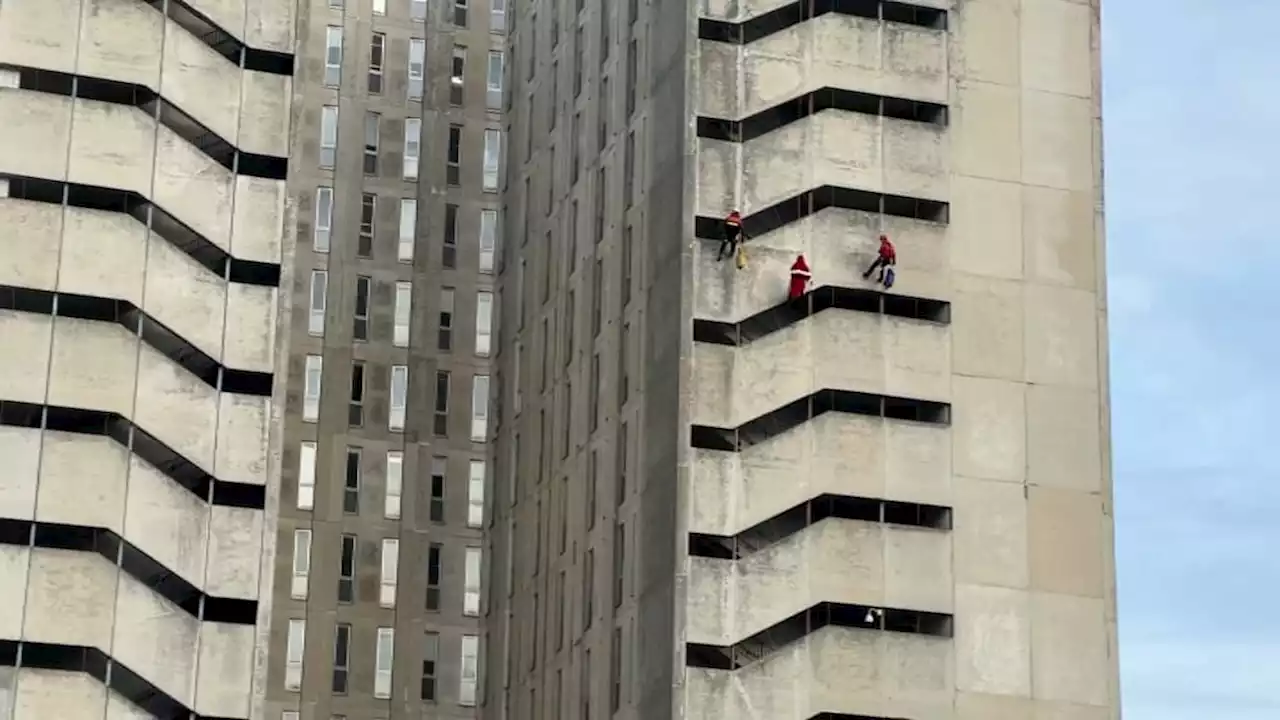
800 277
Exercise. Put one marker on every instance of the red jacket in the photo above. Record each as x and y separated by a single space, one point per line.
800 277
886 249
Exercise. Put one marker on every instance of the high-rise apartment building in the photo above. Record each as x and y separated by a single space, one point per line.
710 501
246 315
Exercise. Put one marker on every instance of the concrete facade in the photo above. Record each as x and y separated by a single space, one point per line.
866 510
366 260
144 212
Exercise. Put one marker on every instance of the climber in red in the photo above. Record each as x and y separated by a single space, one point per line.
800 277
886 258
732 235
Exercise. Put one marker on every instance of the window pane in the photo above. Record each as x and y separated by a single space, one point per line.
417 55
324 220
395 483
492 153
311 391
470 670
328 135
319 292
471 583
484 320
403 309
480 408
475 494
306 475
383 656
412 136
333 56
488 239
408 226
399 396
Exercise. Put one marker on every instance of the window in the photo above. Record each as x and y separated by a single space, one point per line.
615 670
578 47
355 408
552 101
430 657
470 670
333 56
457 74
449 250
311 391
493 82
418 10
412 138
480 408
561 603
372 121
379 7
306 475
602 180
341 658
484 322
593 394
533 48
584 685
284 714
621 469
441 428
605 111
632 63
460 13
619 555
439 468
301 564
383 657
417 65
328 135
471 583
488 239
368 208
336 4
403 309
351 483
570 321
324 220
597 297
444 336
399 397
588 589
408 227
475 494
295 646
319 291
626 266
377 55
605 20
390 570
433 577
347 570
497 16
395 484
624 382
360 325
492 153
629 169
575 148
593 484
453 161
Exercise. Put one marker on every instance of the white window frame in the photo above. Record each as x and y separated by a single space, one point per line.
379 7
484 323
312 378
471 582
328 136
301 564
295 651
497 16
469 677
396 411
476 493
418 10
383 659
417 68
306 475
390 572
332 56
322 236
394 484
488 239
401 314
493 86
412 147
492 159
479 408
408 228
318 301
377 42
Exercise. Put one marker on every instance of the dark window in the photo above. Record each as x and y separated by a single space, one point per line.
355 410
347 570
371 133
433 577
453 161
368 209
441 427
351 488
449 253
341 658
360 325
438 468
430 656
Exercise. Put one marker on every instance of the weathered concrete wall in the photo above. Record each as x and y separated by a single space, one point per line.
139 531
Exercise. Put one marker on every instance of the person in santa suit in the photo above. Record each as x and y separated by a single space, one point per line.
732 235
800 277
886 258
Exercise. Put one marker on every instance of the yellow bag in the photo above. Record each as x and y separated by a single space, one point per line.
742 257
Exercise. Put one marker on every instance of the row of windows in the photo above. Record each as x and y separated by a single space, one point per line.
412 148
461 8
416 68
383 659
392 476
403 304
399 383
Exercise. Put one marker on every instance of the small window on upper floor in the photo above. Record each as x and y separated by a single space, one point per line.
457 75
377 55
328 135
460 12
379 7
493 82
417 63
412 146
418 10
333 56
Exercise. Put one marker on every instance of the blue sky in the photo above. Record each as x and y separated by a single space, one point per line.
1192 104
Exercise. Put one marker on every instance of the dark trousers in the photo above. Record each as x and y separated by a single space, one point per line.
732 236
880 264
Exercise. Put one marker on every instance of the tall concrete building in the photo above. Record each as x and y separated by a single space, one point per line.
710 501
245 306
